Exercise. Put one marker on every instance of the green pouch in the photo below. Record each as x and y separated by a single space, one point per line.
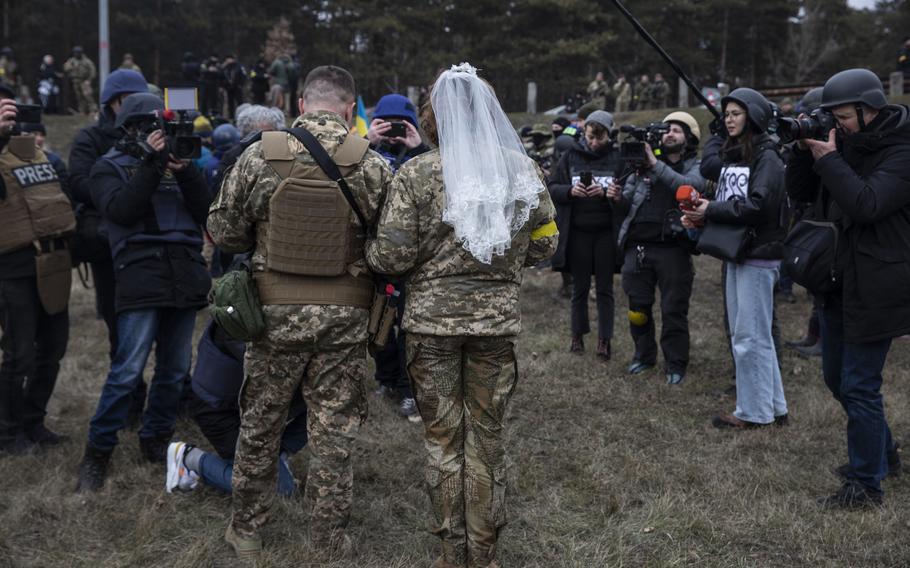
234 305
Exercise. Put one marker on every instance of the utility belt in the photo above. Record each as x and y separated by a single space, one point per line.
53 273
296 289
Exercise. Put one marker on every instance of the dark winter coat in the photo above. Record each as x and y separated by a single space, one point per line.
765 208
868 180
594 214
153 275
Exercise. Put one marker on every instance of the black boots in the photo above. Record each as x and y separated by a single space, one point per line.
93 469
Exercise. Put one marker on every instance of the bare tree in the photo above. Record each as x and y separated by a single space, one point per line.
810 42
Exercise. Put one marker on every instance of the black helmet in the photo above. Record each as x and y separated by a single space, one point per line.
810 101
854 86
756 105
138 106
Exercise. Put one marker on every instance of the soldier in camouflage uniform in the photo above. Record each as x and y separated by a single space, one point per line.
598 91
462 318
623 91
81 72
660 92
320 349
641 94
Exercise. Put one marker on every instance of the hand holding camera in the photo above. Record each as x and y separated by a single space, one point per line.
394 131
7 116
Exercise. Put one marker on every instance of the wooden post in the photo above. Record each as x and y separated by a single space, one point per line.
683 94
532 97
897 84
414 94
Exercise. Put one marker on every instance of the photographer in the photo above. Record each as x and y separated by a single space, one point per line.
749 212
153 205
587 240
655 255
395 111
90 244
35 278
859 178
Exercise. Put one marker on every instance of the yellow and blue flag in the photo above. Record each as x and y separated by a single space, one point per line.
361 122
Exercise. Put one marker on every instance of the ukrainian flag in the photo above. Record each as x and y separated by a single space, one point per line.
361 122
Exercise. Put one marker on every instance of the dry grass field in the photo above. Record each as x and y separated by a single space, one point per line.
607 469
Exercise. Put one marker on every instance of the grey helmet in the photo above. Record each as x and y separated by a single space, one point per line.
810 101
756 105
854 86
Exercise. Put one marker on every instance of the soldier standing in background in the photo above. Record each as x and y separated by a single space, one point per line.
81 72
660 92
641 96
316 326
598 91
623 91
128 63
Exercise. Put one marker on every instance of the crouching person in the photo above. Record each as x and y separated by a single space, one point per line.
216 383
153 205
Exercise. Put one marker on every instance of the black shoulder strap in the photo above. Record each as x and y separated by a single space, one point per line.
329 167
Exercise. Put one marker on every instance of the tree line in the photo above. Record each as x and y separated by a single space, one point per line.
560 44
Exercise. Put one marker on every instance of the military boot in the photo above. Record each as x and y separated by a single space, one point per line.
93 469
245 547
154 449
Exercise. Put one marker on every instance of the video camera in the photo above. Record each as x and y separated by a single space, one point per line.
177 126
817 125
632 149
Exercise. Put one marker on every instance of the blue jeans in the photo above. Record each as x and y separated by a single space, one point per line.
171 331
750 309
218 472
853 374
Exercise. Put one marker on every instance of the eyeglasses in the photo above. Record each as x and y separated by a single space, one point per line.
733 114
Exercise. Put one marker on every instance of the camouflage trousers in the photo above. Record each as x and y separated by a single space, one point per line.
84 96
332 384
463 386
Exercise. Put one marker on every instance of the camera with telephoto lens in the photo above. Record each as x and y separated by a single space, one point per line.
633 148
817 126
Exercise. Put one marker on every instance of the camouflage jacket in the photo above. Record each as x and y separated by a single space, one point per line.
79 69
244 201
450 293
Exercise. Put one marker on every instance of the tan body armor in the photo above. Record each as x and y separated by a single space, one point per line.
37 213
310 242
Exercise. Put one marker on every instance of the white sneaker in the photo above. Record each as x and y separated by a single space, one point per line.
178 476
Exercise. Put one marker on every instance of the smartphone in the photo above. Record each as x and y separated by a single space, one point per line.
586 178
397 130
28 113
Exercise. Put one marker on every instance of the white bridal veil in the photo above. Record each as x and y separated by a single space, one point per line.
491 186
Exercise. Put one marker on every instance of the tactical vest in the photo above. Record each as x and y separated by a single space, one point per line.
35 208
311 241
168 221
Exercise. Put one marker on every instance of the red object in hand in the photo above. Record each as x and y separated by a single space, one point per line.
168 115
687 197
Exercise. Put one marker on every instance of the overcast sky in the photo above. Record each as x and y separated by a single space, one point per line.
861 3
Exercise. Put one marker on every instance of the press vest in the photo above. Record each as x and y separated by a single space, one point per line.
168 221
35 208
311 240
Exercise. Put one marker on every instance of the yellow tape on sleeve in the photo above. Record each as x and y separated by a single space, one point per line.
544 231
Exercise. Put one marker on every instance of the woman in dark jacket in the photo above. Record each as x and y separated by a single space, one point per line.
750 192
587 241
